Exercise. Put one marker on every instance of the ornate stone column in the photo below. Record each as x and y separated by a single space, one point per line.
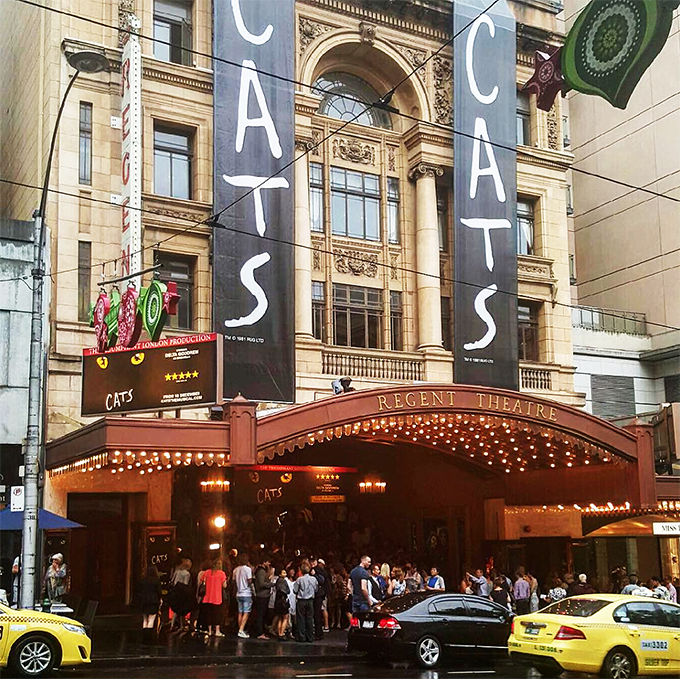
303 239
427 256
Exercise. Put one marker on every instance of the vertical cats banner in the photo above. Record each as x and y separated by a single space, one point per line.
253 257
485 195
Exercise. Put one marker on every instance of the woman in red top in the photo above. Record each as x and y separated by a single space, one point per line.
215 581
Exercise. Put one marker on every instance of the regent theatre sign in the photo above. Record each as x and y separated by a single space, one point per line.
469 401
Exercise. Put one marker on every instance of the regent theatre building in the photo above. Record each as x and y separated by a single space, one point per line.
428 267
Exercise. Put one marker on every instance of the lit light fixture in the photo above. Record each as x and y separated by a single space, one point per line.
372 487
215 485
219 522
214 546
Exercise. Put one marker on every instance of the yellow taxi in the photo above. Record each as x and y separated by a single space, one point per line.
616 635
33 643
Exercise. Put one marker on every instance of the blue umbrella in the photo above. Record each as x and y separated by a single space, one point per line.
10 520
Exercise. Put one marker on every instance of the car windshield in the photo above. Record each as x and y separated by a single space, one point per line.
580 608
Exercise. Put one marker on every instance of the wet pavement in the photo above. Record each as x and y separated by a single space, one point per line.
309 669
128 648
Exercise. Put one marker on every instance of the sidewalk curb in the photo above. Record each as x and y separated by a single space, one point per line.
206 660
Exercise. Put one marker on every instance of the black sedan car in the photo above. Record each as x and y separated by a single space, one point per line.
429 627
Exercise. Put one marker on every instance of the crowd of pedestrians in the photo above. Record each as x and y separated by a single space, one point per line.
302 598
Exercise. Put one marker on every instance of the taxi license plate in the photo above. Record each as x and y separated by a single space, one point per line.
533 631
368 624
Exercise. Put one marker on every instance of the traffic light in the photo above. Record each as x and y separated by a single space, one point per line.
341 385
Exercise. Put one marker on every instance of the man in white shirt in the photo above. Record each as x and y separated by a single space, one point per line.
243 580
483 584
668 584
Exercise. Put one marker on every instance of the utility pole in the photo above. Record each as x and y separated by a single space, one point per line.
87 62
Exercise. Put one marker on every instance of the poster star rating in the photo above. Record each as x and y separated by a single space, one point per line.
175 377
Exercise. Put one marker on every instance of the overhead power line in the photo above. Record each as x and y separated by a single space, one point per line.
212 220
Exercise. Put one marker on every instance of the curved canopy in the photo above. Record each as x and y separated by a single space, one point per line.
634 526
495 429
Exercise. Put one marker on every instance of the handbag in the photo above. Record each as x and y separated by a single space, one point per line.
201 589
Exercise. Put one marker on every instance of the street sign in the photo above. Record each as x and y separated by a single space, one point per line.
667 528
17 499
173 373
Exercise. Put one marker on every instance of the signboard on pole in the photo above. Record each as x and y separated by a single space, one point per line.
485 195
17 499
253 258
131 151
173 373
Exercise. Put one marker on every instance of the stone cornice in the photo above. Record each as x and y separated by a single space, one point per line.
556 160
306 104
389 16
424 134
152 69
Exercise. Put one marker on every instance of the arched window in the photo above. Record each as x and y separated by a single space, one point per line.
345 108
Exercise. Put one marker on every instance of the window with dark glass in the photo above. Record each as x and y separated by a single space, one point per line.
527 328
643 613
319 310
442 218
396 321
84 280
347 97
355 204
316 197
85 143
357 316
447 324
454 608
172 31
172 162
179 270
525 228
393 209
523 119
670 615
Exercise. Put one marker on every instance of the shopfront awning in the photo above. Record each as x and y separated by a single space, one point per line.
636 526
10 520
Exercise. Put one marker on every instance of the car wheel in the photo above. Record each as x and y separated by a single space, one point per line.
619 664
429 652
33 657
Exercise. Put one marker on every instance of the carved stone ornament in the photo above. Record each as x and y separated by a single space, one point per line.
394 260
309 31
443 87
416 58
425 170
355 262
317 136
367 32
391 159
543 270
304 144
125 9
553 129
354 151
316 258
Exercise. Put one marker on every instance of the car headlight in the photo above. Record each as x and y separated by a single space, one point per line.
76 629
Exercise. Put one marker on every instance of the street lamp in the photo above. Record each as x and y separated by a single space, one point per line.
85 61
